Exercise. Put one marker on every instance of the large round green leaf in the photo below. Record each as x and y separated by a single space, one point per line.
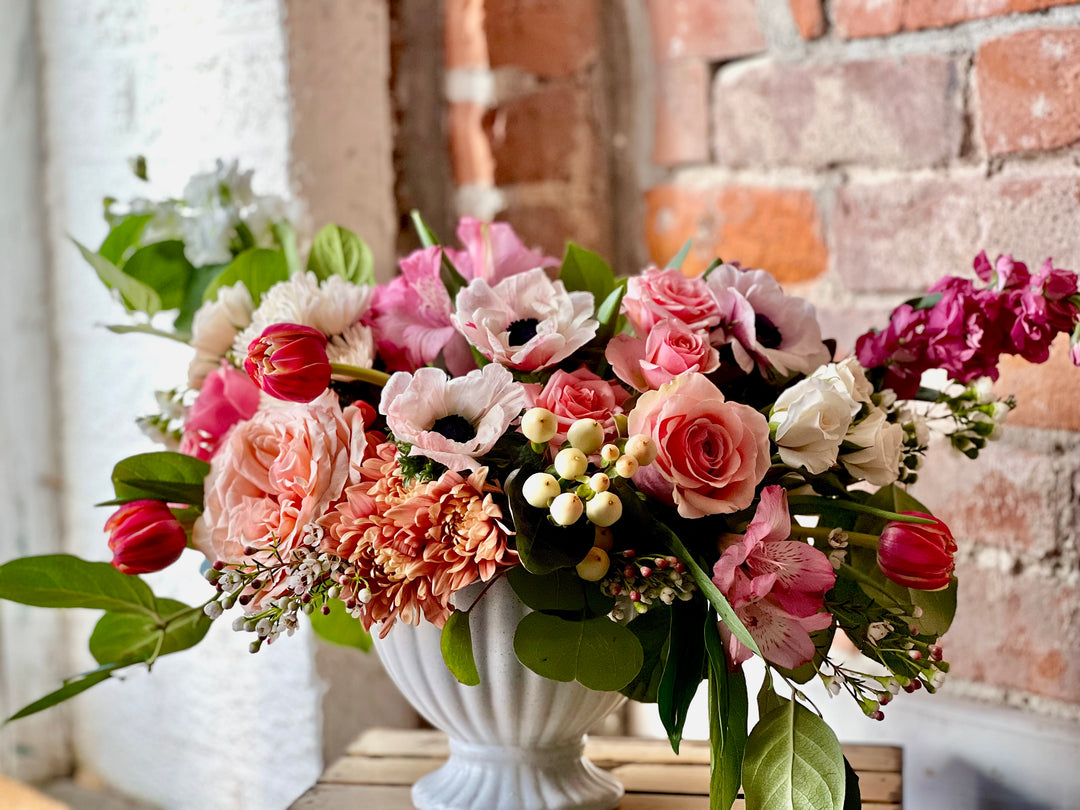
598 653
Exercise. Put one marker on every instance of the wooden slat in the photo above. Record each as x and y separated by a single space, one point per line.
400 742
17 796
380 770
335 797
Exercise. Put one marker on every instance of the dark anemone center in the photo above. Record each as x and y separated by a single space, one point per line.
767 333
522 331
455 427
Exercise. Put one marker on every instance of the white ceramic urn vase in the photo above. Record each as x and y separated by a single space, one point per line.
516 739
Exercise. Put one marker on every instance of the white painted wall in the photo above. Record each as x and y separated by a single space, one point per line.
183 82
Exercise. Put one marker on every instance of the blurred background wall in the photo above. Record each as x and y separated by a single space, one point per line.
857 149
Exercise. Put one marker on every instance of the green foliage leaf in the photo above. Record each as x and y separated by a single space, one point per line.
543 546
258 268
793 762
124 236
72 687
653 630
164 476
339 627
677 260
337 251
607 313
457 652
286 238
163 267
684 667
136 295
132 637
193 296
64 581
598 653
584 270
728 712
852 793
561 590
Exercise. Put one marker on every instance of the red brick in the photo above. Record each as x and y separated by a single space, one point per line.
470 152
463 34
778 230
1048 396
875 18
707 29
902 112
809 17
1016 631
1029 90
903 235
550 38
534 137
1011 497
681 119
549 226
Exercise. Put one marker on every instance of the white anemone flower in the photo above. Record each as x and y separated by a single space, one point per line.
453 421
527 321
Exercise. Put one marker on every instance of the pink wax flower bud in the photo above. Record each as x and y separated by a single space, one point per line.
288 361
144 536
917 555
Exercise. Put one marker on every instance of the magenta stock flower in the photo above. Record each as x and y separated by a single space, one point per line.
228 396
288 361
917 555
144 536
776 585
671 348
526 322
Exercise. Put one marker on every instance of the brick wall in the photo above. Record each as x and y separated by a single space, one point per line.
860 149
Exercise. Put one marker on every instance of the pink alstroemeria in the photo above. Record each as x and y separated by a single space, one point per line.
776 585
494 252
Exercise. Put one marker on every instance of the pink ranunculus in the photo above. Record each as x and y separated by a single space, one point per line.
288 361
412 316
776 585
525 322
712 453
493 252
659 295
273 477
672 348
144 536
918 555
228 396
581 395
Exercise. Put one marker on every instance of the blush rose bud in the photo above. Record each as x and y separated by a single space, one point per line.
917 555
288 361
144 536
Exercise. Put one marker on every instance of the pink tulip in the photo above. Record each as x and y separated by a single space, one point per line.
288 361
918 555
144 536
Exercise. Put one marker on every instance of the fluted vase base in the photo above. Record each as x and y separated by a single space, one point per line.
516 739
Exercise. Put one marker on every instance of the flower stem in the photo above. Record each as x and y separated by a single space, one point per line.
813 505
860 539
368 375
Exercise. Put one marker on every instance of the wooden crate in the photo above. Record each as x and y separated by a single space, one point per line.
380 766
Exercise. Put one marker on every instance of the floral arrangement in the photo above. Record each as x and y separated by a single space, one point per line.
676 474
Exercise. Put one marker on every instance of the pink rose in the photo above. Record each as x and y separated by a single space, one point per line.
228 396
660 295
275 475
581 395
712 453
672 348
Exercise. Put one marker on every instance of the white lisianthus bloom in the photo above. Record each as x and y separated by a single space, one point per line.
881 441
332 307
809 421
849 378
214 329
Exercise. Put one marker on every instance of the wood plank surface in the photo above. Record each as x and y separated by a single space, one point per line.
380 766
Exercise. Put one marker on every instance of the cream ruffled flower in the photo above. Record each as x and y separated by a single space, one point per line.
214 329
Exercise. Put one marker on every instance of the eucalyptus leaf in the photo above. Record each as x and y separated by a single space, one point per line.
72 687
163 267
123 237
64 581
793 761
135 637
598 653
136 295
258 269
561 590
337 251
457 651
164 476
340 627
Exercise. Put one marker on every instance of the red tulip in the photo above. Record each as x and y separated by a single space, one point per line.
918 555
144 536
288 361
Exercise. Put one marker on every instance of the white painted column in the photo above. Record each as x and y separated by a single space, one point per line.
182 82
